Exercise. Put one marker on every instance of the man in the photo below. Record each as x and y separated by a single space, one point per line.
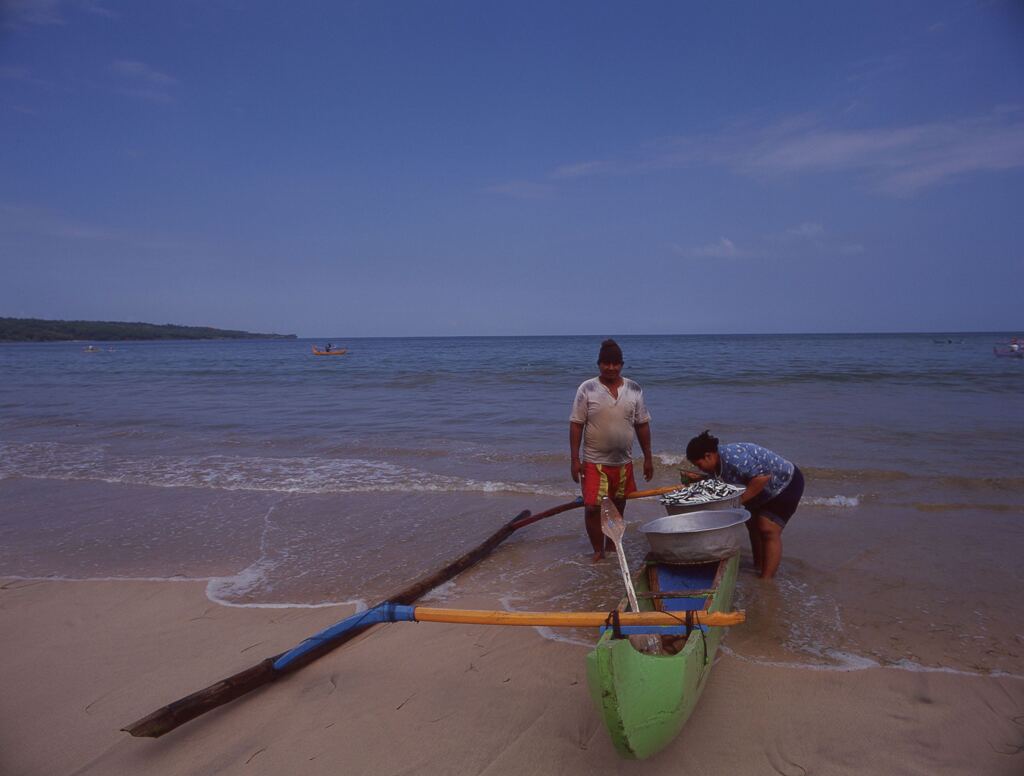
607 413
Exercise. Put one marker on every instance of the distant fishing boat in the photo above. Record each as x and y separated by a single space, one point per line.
91 349
1007 352
329 352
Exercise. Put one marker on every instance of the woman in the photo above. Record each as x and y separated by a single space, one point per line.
773 490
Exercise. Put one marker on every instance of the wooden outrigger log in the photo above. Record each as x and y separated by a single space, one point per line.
171 716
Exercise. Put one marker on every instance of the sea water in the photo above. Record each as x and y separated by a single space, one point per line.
283 478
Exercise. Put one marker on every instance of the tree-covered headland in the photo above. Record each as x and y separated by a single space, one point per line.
39 330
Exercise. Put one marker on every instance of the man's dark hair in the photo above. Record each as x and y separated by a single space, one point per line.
610 353
700 446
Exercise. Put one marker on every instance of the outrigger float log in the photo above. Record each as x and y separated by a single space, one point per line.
398 608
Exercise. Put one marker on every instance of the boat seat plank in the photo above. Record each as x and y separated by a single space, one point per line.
659 630
696 578
677 594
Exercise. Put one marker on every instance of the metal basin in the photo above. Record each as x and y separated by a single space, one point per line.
697 537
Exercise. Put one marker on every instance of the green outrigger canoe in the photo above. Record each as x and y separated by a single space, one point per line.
646 698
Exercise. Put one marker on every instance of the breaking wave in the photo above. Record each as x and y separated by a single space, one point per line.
51 460
844 502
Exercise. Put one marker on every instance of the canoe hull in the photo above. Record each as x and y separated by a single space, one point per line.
646 699
339 352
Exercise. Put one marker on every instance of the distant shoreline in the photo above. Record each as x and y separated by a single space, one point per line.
41 330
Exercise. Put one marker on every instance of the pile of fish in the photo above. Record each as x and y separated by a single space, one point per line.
701 492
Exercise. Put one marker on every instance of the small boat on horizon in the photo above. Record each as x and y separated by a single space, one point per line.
329 351
1007 352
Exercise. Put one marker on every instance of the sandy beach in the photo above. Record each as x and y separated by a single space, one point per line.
83 659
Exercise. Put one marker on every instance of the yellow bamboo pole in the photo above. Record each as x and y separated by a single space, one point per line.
573 619
653 491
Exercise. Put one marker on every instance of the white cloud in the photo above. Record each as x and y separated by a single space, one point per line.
141 81
38 12
723 249
96 8
583 168
18 220
806 230
140 71
522 189
808 241
901 160
22 13
898 160
875 68
22 75
15 219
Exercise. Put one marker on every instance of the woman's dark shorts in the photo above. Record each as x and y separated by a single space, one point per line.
780 508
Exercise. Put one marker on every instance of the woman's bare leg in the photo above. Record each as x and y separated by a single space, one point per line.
771 546
755 541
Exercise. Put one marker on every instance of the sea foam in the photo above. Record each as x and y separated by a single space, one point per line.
301 474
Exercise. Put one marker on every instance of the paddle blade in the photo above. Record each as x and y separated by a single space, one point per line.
612 524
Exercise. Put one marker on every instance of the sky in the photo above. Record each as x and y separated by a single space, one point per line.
481 168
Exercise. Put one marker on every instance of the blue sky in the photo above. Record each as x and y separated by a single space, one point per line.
447 168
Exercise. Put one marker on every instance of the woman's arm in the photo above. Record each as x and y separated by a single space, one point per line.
755 486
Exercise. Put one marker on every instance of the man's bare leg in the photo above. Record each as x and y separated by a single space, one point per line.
592 519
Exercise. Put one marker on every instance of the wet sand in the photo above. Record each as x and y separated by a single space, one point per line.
82 659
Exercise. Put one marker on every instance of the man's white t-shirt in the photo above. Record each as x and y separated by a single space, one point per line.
608 421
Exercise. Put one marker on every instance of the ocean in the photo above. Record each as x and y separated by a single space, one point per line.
284 479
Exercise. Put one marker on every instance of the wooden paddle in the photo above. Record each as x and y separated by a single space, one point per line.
614 527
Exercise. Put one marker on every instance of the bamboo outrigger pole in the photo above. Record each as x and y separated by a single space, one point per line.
626 621
574 619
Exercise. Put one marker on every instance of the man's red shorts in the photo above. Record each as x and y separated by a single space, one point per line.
602 479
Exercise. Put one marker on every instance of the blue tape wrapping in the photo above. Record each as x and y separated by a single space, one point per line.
385 612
